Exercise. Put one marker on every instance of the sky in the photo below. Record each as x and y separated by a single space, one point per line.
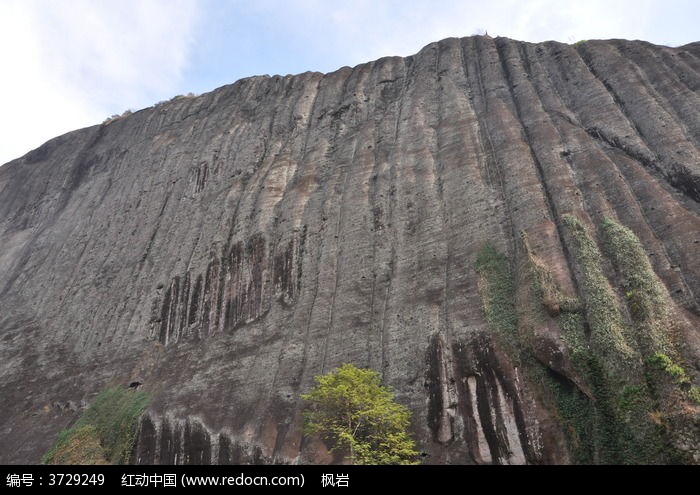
68 64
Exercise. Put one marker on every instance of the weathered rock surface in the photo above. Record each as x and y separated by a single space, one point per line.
224 249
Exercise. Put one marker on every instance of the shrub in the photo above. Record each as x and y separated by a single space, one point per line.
358 416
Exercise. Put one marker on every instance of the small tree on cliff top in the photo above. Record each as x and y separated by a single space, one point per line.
355 414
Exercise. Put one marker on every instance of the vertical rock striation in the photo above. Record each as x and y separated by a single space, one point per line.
459 220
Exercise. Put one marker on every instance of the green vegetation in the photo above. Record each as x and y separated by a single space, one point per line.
606 322
542 298
573 334
644 293
498 294
545 287
548 298
617 405
574 409
631 397
648 305
513 327
675 371
105 433
357 416
694 394
611 364
665 363
82 446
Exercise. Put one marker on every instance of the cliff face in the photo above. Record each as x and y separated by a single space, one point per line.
508 232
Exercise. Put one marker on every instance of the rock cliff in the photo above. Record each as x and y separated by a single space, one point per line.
509 232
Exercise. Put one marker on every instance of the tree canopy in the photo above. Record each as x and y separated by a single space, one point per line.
355 414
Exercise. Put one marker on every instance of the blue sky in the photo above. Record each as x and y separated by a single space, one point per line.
71 63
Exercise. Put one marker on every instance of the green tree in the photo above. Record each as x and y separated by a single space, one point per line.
355 414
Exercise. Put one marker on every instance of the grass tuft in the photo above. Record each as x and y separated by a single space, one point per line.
498 290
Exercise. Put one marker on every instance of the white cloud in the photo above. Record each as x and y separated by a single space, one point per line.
70 64
366 29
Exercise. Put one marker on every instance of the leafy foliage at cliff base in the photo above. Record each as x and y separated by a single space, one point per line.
356 415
